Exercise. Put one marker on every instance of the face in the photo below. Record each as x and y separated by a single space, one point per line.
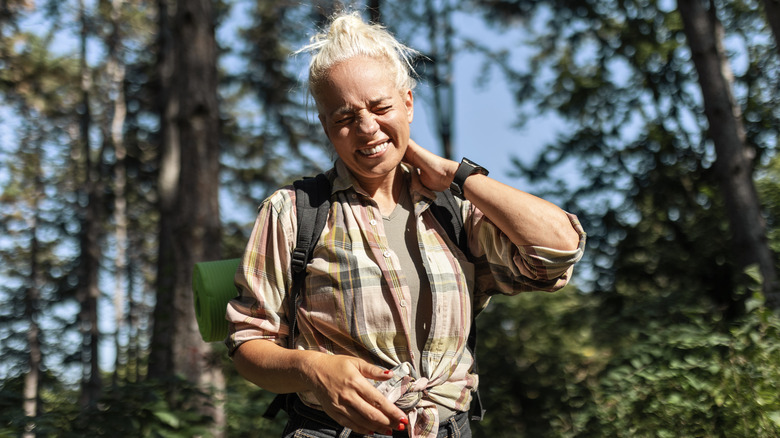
366 117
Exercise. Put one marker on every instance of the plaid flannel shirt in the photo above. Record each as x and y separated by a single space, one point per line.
357 302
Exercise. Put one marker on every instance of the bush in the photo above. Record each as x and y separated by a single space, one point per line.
544 374
692 379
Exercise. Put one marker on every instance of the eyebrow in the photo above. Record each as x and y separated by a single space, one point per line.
347 109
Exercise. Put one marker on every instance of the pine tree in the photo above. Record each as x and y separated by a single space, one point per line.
734 158
36 259
189 207
622 76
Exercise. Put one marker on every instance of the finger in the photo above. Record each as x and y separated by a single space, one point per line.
376 416
412 154
370 405
373 372
362 418
380 405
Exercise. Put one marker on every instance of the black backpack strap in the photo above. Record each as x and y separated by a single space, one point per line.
445 210
477 411
312 202
447 213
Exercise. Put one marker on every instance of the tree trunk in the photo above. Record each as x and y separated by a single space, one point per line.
734 162
116 70
189 194
772 11
161 354
196 218
440 37
31 305
90 249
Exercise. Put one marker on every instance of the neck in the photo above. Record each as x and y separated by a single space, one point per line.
387 191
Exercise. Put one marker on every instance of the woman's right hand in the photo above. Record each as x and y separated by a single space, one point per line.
340 385
338 382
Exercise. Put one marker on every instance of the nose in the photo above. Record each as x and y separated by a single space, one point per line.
367 124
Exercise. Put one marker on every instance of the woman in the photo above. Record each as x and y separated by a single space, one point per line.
388 295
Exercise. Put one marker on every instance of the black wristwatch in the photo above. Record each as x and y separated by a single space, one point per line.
465 170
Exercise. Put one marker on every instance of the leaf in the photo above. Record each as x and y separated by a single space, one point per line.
775 417
168 418
754 273
766 397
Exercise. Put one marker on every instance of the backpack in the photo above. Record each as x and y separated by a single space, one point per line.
312 201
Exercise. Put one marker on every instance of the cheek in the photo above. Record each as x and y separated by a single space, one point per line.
342 132
337 132
403 124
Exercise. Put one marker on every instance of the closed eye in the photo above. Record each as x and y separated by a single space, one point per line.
383 109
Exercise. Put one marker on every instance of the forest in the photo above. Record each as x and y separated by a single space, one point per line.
138 137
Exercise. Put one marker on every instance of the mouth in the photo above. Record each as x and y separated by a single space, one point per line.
376 150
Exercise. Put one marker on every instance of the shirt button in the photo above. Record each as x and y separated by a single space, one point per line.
372 222
386 254
403 303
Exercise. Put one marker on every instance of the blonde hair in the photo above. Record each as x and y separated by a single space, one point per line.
349 36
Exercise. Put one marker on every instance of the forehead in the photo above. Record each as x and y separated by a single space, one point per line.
356 82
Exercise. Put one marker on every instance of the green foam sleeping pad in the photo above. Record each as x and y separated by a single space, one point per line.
212 286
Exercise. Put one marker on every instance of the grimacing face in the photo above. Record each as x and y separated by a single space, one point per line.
365 117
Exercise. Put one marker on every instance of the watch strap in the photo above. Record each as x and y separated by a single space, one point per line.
465 170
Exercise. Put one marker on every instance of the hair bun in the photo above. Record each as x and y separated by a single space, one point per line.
348 36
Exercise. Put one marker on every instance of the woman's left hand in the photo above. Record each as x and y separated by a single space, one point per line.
436 172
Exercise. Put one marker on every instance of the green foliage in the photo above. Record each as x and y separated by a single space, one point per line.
620 74
244 407
535 354
698 377
139 410
768 186
675 347
145 409
544 373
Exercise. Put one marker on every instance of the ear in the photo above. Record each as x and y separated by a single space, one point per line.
409 103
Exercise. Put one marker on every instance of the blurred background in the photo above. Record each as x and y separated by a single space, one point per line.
138 137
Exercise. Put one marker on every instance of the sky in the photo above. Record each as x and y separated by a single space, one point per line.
485 116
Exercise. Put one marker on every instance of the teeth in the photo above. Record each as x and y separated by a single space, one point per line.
376 149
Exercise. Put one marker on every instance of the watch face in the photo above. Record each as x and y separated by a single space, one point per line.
476 168
470 163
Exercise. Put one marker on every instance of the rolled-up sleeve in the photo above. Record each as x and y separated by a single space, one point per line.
510 269
264 275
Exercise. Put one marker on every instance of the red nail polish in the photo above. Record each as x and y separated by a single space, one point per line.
404 421
401 427
386 371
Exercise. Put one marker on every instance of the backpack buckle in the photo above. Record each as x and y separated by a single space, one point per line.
298 262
